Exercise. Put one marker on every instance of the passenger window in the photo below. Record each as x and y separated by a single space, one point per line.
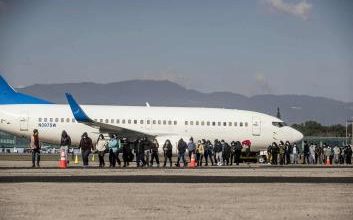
229 124
169 122
101 120
159 122
39 119
135 121
191 122
62 120
141 122
219 123
197 123
246 124
164 122
154 122
213 123
112 121
51 119
208 123
235 124
186 123
129 121
123 121
107 121
224 123
148 122
67 120
202 123
73 120
117 121
56 120
241 124
175 122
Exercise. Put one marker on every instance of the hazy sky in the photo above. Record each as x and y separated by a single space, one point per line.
243 46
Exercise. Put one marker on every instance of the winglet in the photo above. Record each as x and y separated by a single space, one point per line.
77 111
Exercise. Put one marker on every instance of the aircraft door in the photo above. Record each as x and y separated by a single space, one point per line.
256 126
24 122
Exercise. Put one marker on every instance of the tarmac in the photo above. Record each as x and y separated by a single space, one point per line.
250 191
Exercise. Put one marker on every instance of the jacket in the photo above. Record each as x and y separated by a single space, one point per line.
86 144
200 149
168 149
182 146
113 145
101 145
65 141
35 145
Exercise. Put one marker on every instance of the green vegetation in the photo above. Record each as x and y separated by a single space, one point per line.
313 128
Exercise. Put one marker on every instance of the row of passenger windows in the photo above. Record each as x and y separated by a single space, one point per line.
57 120
154 122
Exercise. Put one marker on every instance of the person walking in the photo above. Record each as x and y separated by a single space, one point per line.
232 152
86 147
337 153
167 150
200 151
275 150
294 153
287 152
218 153
306 153
35 148
191 148
127 154
101 147
238 148
225 152
208 152
181 152
154 152
312 158
113 151
65 143
282 152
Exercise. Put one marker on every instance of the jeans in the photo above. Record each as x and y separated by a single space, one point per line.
113 158
199 158
35 154
181 156
167 158
154 155
101 158
208 155
219 158
85 155
190 153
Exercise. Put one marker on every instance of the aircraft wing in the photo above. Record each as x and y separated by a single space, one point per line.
82 117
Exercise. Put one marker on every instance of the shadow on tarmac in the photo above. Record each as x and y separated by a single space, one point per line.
172 179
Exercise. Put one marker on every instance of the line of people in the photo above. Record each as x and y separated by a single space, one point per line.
146 152
286 153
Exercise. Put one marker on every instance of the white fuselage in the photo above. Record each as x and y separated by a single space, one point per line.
163 122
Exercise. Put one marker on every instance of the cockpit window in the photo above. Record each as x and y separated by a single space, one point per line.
279 124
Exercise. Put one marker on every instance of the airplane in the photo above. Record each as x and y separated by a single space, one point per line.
21 113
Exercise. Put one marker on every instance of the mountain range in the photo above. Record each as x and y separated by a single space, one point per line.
293 108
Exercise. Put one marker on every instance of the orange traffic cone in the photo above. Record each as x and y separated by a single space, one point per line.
63 161
328 161
192 163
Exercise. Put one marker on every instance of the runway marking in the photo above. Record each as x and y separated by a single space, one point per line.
173 179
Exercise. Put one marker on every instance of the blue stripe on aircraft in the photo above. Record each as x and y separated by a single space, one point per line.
77 111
